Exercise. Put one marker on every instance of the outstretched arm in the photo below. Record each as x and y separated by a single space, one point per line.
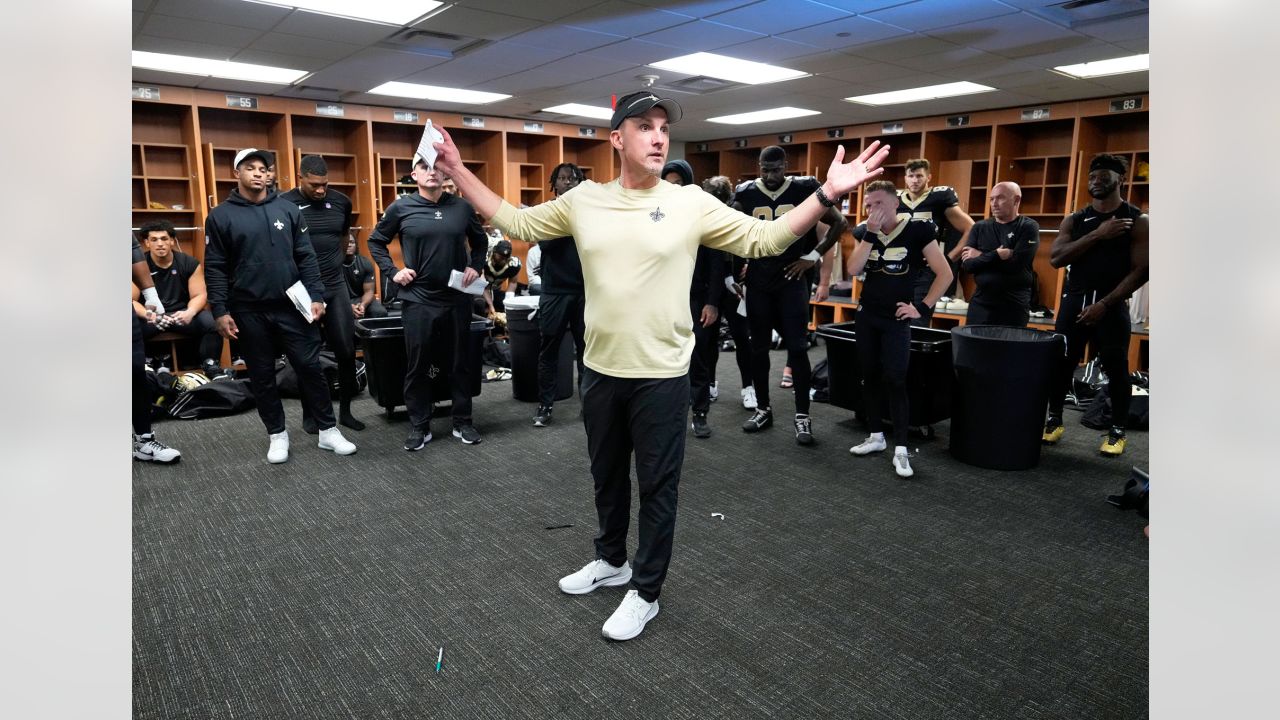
449 160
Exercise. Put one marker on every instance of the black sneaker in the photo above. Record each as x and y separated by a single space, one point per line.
700 427
759 420
417 440
467 434
543 417
804 430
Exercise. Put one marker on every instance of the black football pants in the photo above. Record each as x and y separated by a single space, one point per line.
260 331
786 309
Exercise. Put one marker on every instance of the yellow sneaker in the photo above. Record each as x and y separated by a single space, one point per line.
1052 434
1112 445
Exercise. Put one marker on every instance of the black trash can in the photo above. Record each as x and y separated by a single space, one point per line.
929 377
382 340
526 339
1002 378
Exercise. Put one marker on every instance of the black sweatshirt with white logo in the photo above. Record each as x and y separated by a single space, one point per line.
254 252
436 238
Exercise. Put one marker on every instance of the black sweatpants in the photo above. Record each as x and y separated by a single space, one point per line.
558 314
1110 339
202 328
141 389
339 328
740 331
924 280
884 351
260 333
435 341
702 366
999 311
786 309
647 416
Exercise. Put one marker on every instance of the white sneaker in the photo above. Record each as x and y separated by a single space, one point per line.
749 398
279 450
594 574
902 466
332 439
715 391
148 449
629 619
870 445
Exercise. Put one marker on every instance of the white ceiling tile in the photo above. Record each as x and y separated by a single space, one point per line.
486 63
524 82
242 14
623 18
198 31
829 35
370 68
955 58
1129 82
1013 36
279 59
1094 50
635 52
1142 45
981 73
1133 28
469 22
329 28
768 50
138 17
577 68
774 17
1023 79
931 14
700 35
901 47
563 38
540 10
861 6
142 5
695 8
303 46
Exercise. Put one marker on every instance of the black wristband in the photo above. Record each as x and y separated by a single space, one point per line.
822 198
921 307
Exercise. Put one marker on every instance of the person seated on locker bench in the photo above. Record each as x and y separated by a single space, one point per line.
179 281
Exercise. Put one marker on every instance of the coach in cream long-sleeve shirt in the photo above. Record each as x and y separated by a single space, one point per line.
638 249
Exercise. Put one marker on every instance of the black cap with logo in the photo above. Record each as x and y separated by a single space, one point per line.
638 103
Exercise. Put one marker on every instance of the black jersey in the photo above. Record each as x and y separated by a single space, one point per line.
328 220
561 267
358 272
436 238
171 282
1106 263
933 206
758 201
893 264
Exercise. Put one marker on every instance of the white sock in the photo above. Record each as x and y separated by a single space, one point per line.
899 450
877 436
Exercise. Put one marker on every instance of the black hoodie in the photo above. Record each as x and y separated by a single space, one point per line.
254 252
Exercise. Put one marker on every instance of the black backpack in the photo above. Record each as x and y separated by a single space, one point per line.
1098 414
214 399
820 381
287 379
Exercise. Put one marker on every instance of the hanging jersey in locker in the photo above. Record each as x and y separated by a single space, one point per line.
760 202
1105 264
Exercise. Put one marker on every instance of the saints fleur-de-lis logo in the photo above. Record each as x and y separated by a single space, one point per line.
279 225
657 215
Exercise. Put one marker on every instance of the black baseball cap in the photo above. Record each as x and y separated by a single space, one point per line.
267 158
638 103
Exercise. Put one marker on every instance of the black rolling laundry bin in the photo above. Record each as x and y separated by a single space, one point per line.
1002 385
929 377
382 340
526 339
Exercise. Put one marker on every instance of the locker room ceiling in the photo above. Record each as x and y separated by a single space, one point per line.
550 52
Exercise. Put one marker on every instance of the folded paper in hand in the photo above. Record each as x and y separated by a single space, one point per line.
426 151
475 288
301 300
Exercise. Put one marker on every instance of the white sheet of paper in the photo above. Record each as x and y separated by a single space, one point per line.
301 300
426 151
742 307
475 288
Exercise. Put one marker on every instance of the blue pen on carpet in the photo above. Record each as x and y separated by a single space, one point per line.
439 658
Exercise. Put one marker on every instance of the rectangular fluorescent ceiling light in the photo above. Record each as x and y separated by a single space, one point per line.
215 68
759 116
390 12
1117 66
727 68
932 92
439 94
591 111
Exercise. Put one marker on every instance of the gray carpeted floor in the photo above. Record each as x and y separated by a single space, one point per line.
324 587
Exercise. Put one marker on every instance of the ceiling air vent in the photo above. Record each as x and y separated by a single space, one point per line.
1080 13
700 85
434 44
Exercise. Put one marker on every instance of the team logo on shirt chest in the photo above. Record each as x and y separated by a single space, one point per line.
279 225
439 215
657 215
